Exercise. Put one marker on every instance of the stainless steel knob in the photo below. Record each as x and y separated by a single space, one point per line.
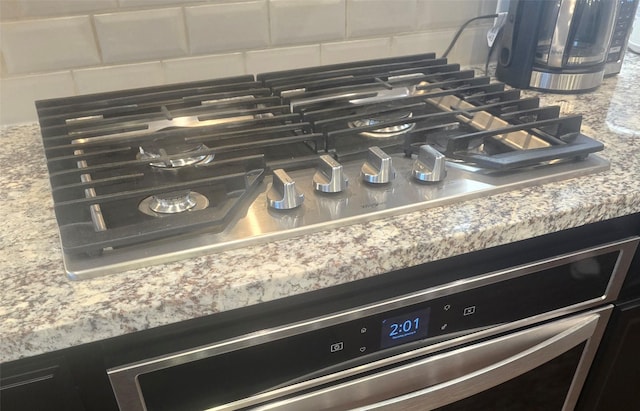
329 178
430 165
283 194
378 169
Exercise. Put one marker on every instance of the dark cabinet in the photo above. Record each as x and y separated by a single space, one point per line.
69 380
613 383
38 384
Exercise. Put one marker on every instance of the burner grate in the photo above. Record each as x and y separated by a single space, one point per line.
227 186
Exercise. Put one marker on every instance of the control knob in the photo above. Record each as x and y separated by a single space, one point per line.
329 178
430 165
283 194
378 169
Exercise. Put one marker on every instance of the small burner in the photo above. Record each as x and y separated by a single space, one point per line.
385 132
173 203
192 155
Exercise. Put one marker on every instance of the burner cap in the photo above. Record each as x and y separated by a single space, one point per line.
385 132
173 203
195 154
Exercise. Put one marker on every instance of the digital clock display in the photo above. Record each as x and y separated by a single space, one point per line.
404 328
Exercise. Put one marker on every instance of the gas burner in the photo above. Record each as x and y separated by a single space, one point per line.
385 132
176 202
195 154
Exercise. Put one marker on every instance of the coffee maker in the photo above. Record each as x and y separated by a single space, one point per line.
563 45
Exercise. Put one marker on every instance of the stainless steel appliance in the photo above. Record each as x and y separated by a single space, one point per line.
157 174
518 338
563 45
620 35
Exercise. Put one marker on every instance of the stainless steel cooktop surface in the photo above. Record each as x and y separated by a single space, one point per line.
147 176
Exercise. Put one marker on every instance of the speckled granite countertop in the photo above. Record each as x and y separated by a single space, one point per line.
41 310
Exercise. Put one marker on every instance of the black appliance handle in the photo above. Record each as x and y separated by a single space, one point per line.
508 35
516 51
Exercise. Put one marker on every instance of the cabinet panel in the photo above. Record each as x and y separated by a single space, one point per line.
41 384
613 382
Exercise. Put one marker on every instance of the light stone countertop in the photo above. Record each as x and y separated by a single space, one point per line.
41 310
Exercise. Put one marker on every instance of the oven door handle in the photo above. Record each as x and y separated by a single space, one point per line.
440 379
488 377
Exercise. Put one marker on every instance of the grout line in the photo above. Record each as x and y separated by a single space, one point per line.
73 80
346 19
244 62
186 30
96 40
270 41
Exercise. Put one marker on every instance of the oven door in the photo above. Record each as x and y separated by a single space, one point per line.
527 334
541 367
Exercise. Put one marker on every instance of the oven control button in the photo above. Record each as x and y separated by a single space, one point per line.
430 165
469 310
329 178
378 168
335 347
283 194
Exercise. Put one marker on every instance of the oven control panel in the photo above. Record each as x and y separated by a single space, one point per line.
269 360
466 311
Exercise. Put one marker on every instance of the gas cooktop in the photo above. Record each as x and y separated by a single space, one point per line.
157 174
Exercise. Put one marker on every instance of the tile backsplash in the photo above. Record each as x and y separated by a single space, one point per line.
55 48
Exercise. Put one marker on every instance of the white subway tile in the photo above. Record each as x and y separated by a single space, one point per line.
488 6
261 61
18 94
152 3
227 26
471 47
312 21
203 68
371 17
9 9
48 44
418 43
433 14
121 77
141 35
354 50
33 8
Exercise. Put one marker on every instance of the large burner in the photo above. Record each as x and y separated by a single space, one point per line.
171 157
385 132
173 203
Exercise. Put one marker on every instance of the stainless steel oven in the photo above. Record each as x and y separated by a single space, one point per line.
521 337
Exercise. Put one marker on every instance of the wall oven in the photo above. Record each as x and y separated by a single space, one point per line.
519 337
